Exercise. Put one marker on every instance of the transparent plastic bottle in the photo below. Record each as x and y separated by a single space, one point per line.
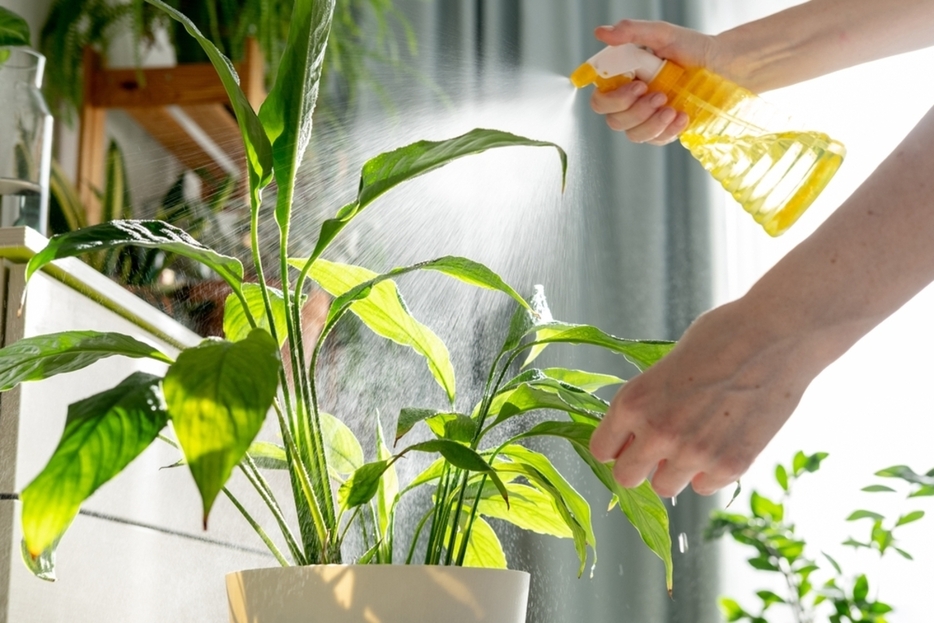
773 171
25 140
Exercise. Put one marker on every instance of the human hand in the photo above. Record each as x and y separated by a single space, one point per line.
703 413
631 109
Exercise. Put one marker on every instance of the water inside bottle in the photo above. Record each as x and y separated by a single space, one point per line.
775 177
20 203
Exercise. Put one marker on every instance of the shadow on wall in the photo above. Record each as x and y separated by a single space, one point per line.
377 594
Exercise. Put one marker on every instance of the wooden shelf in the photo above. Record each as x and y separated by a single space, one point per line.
184 108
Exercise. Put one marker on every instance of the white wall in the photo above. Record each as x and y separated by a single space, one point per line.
872 408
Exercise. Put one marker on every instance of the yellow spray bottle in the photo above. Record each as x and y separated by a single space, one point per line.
773 172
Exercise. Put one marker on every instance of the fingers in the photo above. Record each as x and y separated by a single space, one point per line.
670 478
640 32
620 100
635 463
723 474
642 116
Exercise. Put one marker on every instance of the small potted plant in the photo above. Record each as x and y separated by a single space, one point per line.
215 397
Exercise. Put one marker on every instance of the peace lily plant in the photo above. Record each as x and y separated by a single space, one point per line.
215 396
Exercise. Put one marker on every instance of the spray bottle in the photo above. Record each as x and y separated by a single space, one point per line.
773 172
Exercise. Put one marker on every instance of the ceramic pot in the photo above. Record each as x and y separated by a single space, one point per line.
377 594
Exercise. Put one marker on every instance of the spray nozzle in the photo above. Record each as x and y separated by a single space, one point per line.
616 65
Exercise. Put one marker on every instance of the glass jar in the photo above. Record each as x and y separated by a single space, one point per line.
25 140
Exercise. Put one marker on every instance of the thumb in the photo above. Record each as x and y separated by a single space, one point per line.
650 34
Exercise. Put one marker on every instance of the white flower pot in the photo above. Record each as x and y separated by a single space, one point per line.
377 594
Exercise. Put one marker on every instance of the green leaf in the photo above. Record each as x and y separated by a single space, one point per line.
103 434
43 356
576 432
287 112
460 268
236 324
855 544
765 508
571 505
218 394
880 608
115 202
905 473
255 141
266 455
409 417
388 488
453 426
587 381
143 234
642 353
855 515
41 566
910 517
363 485
769 598
529 509
924 491
731 610
878 489
813 462
462 457
527 398
341 447
781 477
904 554
798 463
390 169
13 29
881 537
833 562
432 472
736 492
484 549
763 564
386 315
861 589
641 505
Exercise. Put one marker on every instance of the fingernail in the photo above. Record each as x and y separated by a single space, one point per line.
639 88
658 99
668 115
609 27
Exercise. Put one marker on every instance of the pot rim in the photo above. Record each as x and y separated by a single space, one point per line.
391 567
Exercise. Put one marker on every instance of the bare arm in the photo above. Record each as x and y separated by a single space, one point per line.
705 412
797 44
819 37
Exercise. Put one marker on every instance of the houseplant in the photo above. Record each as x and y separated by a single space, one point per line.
73 25
217 394
817 589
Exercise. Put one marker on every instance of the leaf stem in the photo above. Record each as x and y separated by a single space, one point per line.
255 477
257 528
418 533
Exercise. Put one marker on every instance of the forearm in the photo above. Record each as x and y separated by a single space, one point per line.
819 37
869 258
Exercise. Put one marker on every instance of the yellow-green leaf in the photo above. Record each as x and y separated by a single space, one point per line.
218 394
385 314
236 324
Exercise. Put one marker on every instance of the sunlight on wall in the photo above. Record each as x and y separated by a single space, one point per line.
873 407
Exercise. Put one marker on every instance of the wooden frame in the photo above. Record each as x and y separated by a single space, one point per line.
182 107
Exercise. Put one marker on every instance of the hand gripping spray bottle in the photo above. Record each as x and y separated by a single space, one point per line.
774 173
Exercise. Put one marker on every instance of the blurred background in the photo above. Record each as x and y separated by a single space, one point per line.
640 243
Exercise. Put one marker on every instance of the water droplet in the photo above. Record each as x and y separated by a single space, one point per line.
621 570
674 500
683 542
